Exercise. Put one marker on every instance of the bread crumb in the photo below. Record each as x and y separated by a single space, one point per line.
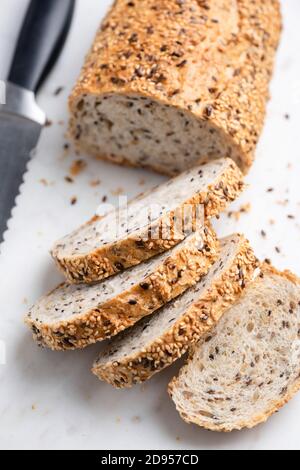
277 249
25 301
73 201
68 179
263 233
104 199
283 202
44 182
95 183
58 90
136 419
270 190
272 222
33 407
77 167
244 209
178 439
48 123
117 192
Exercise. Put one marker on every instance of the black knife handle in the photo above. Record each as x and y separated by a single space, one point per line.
41 40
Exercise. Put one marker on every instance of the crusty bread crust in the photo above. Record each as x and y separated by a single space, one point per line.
198 320
174 276
257 418
218 71
136 248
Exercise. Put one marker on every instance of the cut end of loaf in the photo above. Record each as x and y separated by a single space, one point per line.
139 131
247 367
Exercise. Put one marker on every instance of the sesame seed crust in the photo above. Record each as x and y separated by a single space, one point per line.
199 318
137 247
211 59
179 271
257 418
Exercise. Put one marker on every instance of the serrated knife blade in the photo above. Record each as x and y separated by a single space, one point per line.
21 123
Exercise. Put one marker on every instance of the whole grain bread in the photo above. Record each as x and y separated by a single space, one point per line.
149 225
187 78
75 316
157 341
248 366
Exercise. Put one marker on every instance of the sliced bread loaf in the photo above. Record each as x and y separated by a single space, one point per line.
248 366
157 341
75 316
186 78
149 225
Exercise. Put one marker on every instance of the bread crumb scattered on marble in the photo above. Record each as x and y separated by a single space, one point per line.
78 167
95 183
283 203
136 419
58 90
68 179
117 192
244 209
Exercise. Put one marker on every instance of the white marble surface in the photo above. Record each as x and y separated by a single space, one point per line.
51 400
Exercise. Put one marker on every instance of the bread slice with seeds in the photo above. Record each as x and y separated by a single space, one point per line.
157 341
249 365
75 316
151 224
189 79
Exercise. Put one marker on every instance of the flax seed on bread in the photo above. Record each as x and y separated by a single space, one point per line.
157 341
102 247
75 316
247 367
170 84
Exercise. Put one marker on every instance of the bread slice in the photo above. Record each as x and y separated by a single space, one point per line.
151 224
157 341
75 316
248 366
170 84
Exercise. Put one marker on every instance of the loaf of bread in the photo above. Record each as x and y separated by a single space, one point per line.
169 84
248 366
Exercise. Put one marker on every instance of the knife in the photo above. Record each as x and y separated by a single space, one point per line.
41 40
